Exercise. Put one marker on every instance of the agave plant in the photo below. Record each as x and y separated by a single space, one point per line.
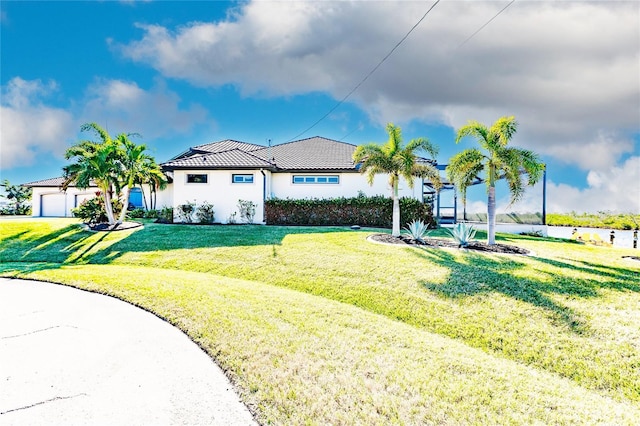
417 229
462 233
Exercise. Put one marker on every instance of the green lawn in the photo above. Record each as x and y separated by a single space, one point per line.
319 326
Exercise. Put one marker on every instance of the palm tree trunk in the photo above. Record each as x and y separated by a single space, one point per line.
395 231
144 198
106 193
491 215
125 204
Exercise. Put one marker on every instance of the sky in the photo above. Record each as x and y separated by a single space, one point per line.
192 72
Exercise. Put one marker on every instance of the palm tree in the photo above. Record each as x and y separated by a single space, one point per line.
138 169
152 175
397 161
497 161
94 161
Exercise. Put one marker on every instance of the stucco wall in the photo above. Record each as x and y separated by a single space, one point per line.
350 184
219 191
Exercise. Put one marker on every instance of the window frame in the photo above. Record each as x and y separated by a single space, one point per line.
315 179
243 176
189 175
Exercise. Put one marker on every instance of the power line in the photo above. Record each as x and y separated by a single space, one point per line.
368 75
486 23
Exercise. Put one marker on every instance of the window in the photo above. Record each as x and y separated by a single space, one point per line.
242 179
326 179
196 178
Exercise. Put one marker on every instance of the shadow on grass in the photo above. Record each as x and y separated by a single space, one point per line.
477 274
72 244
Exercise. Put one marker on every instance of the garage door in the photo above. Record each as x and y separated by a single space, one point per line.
79 198
52 205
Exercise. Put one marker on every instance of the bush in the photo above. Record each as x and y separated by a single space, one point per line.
152 214
205 213
185 212
92 211
136 213
247 210
364 211
165 215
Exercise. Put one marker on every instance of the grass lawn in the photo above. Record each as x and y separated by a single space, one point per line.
319 326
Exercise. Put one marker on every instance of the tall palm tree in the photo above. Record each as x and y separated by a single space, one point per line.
94 161
497 161
397 161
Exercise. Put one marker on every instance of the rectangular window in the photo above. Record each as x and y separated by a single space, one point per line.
242 178
327 179
197 178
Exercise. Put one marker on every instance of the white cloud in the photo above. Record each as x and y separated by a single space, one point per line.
30 128
616 189
125 107
567 70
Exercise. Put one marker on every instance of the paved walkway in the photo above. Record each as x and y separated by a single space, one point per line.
72 357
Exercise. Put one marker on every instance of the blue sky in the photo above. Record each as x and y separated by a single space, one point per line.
187 73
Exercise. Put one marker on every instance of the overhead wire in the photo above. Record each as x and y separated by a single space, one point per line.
387 57
485 24
368 75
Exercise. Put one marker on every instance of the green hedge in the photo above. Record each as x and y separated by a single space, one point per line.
364 211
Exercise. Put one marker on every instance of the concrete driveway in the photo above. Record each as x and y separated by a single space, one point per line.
72 357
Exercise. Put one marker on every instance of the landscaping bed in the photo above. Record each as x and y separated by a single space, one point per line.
439 242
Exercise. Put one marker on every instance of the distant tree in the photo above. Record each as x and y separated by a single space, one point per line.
497 161
397 161
19 197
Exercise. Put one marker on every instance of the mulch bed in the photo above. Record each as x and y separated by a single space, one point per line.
117 227
437 242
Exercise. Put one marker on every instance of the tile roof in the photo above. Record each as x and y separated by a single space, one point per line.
53 182
234 158
227 145
314 153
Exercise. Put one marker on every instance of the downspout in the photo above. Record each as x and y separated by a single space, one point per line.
264 195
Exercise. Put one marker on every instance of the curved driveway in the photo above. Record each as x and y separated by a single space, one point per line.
68 356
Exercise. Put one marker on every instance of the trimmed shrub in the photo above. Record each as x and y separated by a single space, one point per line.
165 215
364 211
185 211
151 214
205 213
136 213
92 210
247 210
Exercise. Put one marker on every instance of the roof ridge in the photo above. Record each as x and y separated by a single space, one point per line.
227 140
312 137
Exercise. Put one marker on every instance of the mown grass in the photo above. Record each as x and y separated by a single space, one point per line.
318 326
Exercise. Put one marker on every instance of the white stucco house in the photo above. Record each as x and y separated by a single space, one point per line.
221 173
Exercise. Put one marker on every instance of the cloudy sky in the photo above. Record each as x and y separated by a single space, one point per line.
187 73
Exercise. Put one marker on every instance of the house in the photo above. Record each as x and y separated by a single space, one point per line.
222 173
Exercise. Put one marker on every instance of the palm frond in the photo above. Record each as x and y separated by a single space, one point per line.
504 129
475 129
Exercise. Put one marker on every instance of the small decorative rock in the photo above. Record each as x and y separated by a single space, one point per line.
355 227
